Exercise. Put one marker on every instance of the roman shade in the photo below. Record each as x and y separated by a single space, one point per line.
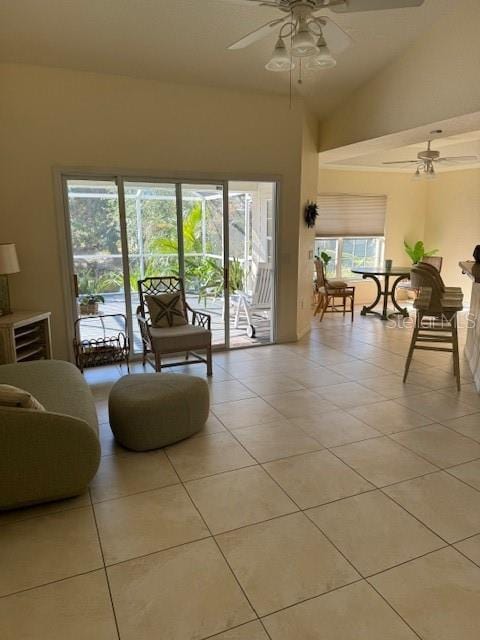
350 215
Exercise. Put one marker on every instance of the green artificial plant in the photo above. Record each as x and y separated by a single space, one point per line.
91 299
325 258
417 252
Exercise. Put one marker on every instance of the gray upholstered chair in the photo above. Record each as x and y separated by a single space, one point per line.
52 454
192 335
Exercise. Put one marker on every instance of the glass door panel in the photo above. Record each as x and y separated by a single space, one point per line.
203 250
122 234
251 227
152 237
97 254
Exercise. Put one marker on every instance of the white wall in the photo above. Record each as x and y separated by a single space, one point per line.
306 237
436 78
453 222
53 117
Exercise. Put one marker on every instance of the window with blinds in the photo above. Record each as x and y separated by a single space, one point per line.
348 215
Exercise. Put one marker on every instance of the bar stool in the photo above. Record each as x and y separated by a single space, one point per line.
436 319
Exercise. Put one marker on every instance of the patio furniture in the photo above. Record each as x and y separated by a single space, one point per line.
374 273
150 410
328 291
436 320
108 349
186 334
257 307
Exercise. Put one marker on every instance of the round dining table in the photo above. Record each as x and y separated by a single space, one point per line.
375 273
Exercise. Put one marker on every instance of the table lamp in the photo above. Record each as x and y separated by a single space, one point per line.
8 265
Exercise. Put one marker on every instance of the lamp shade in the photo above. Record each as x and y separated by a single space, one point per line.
303 43
8 259
280 60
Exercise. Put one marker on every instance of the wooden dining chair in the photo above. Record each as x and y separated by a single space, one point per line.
329 291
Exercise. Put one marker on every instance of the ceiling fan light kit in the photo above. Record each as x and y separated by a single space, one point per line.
313 37
303 42
324 59
281 59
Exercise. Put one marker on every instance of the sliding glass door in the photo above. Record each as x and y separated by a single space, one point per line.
97 256
152 242
203 252
219 237
251 229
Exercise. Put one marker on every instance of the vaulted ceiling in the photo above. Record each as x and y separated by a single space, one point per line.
184 41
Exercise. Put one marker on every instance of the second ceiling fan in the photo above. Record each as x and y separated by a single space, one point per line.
427 159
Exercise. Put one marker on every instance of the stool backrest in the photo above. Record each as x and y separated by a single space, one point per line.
434 261
430 292
433 271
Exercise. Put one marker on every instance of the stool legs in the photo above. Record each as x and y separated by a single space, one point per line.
435 333
418 322
456 358
209 362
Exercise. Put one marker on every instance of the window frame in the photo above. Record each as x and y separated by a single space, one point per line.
339 252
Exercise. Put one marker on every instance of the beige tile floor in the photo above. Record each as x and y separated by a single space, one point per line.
323 500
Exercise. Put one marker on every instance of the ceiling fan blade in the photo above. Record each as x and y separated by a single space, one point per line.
258 34
458 159
403 162
248 3
374 5
335 37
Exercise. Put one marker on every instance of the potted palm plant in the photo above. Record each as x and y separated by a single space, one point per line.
416 252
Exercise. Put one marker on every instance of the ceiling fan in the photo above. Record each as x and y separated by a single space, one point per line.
427 159
312 36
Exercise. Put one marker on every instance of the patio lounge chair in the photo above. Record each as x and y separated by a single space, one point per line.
257 307
191 330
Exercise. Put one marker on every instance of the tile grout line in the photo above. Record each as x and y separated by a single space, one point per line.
218 548
381 489
394 610
46 584
105 570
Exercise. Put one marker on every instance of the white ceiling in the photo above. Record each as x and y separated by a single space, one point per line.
185 41
465 144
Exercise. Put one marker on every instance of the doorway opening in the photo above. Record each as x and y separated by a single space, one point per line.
218 236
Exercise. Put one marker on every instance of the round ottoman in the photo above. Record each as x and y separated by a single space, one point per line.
152 410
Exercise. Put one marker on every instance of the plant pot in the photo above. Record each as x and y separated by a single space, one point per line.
89 309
